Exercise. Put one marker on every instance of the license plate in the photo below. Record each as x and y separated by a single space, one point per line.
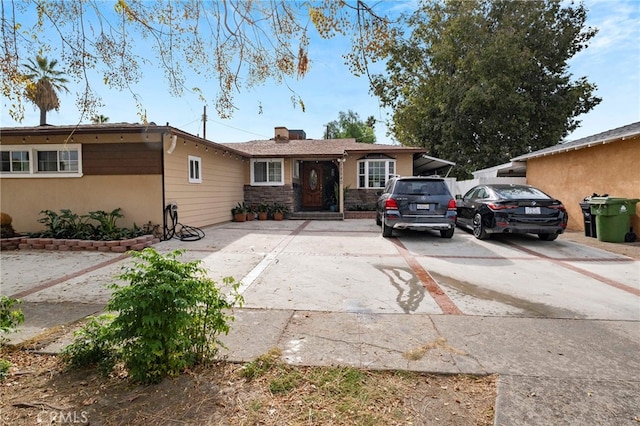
532 210
422 206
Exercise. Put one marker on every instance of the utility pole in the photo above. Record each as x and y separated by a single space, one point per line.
204 123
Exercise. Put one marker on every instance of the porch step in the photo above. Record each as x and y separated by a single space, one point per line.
316 216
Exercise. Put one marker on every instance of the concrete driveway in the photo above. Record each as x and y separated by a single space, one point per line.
346 266
558 321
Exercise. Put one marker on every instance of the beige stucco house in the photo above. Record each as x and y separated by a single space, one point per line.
143 169
138 168
304 173
605 163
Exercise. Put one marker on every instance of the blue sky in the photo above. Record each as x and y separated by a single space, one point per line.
612 62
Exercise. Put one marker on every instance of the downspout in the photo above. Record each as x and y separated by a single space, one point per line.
164 201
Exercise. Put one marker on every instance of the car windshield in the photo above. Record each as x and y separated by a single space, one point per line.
420 187
520 192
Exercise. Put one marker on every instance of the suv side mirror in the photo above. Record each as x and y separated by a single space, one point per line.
458 196
378 193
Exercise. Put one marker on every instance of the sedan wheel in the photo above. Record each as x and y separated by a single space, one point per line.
547 237
478 228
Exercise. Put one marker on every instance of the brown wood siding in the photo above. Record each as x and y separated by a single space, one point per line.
122 159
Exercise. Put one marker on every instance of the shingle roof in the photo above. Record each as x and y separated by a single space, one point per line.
618 134
314 148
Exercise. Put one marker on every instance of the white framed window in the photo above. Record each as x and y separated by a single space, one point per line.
41 160
267 171
374 173
195 169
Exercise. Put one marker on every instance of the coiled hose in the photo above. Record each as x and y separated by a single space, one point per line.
174 229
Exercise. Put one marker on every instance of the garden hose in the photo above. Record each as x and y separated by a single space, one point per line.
174 229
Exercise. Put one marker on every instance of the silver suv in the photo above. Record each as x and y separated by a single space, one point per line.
416 203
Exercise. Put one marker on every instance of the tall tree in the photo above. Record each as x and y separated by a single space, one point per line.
481 81
99 118
349 125
233 44
43 82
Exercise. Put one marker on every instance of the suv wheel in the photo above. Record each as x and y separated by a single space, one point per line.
547 237
447 233
478 228
378 221
386 231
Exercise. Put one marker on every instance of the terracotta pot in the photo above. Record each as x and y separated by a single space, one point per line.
262 215
250 216
239 217
278 216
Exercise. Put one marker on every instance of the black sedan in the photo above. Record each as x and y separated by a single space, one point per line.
507 208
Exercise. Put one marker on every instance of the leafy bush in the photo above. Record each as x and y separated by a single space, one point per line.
65 225
93 345
10 316
4 369
6 229
10 319
71 225
168 318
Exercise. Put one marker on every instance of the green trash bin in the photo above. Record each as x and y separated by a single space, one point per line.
613 216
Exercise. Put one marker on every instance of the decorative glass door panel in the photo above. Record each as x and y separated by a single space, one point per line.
312 185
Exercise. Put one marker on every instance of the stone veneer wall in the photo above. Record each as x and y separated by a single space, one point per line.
361 197
115 246
285 195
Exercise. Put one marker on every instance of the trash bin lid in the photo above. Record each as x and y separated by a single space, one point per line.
608 200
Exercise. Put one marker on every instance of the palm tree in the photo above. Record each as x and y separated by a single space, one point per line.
97 119
44 83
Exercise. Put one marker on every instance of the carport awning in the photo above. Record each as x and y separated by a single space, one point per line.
424 165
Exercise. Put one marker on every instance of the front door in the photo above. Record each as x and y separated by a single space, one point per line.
312 185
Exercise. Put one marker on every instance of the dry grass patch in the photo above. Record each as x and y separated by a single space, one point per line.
265 391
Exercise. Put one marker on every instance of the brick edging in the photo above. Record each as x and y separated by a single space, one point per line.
115 246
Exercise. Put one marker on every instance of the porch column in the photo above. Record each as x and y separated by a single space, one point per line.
341 185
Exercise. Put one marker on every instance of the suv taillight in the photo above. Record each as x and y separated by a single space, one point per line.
452 205
390 204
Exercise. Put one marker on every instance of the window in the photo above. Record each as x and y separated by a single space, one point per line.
41 161
15 161
375 173
195 169
267 171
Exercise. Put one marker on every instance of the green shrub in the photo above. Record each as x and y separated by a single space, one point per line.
93 345
71 225
169 317
10 319
10 316
4 369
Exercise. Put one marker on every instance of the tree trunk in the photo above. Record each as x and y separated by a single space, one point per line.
43 116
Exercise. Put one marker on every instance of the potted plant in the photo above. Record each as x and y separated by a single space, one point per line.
263 211
279 211
251 212
239 212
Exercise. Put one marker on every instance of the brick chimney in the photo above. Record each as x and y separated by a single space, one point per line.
282 134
